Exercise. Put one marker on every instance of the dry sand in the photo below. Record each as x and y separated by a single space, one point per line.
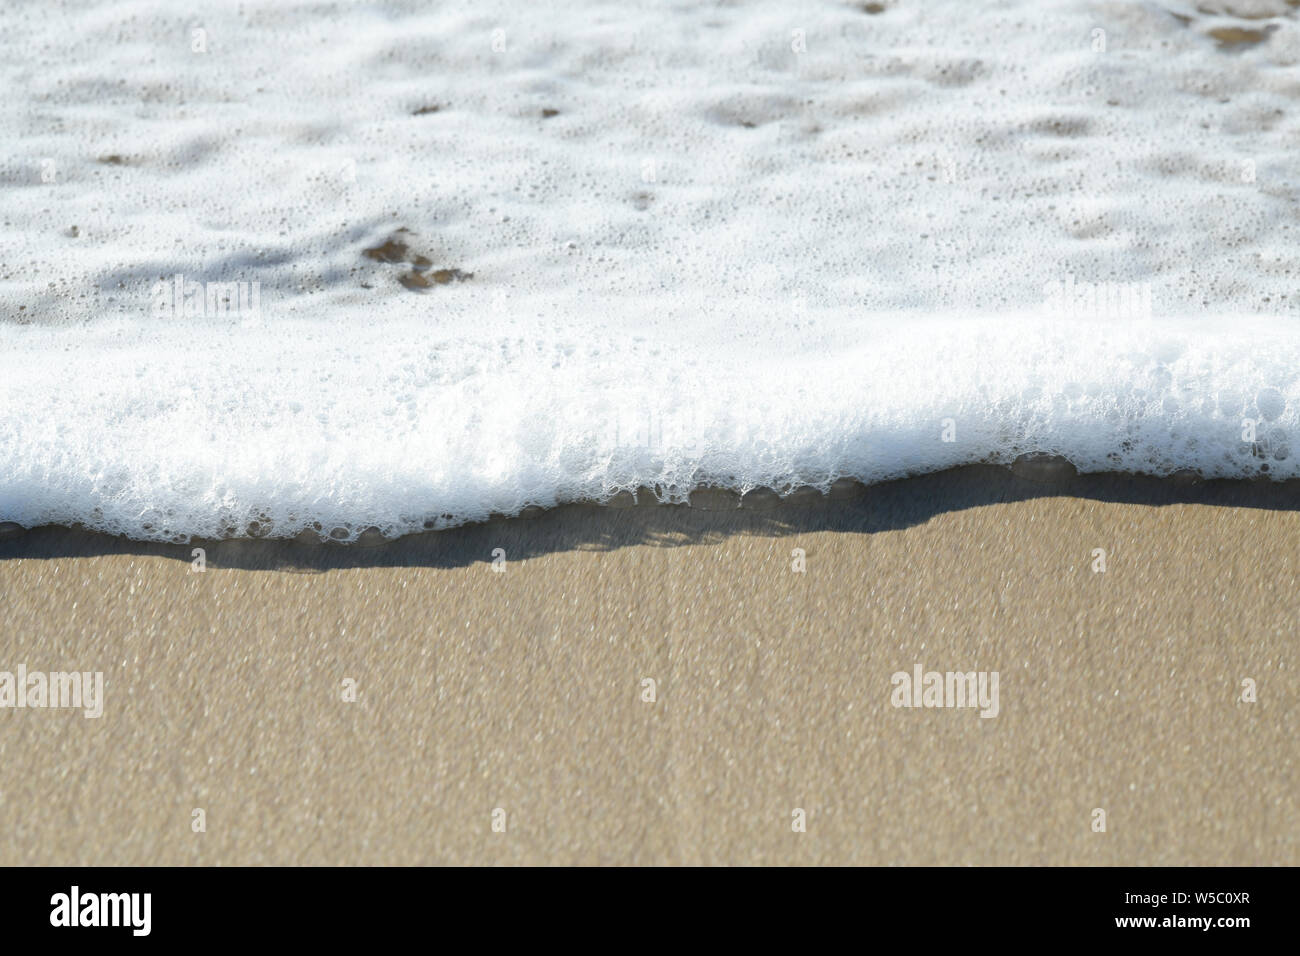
523 690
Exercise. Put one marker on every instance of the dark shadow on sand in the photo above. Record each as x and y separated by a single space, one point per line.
884 507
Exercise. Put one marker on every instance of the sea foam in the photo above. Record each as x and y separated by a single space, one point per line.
164 430
520 254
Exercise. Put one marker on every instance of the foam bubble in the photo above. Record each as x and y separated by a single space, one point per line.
160 430
666 247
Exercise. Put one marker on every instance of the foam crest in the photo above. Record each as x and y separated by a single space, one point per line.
281 268
161 431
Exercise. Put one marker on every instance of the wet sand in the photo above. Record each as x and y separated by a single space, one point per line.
522 690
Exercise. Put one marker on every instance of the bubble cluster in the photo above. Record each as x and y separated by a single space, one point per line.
510 255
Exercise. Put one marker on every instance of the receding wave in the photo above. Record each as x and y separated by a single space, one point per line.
160 430
319 269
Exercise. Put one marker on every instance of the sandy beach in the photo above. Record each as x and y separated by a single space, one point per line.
958 341
523 691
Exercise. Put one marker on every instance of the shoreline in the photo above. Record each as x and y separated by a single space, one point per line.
774 687
850 506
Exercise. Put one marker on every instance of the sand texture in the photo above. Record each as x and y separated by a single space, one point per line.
522 690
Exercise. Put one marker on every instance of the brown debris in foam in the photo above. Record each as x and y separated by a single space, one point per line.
1242 9
395 251
420 281
1238 38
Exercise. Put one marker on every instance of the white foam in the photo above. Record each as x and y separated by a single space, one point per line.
721 260
159 430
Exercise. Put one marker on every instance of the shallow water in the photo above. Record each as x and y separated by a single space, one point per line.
751 246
